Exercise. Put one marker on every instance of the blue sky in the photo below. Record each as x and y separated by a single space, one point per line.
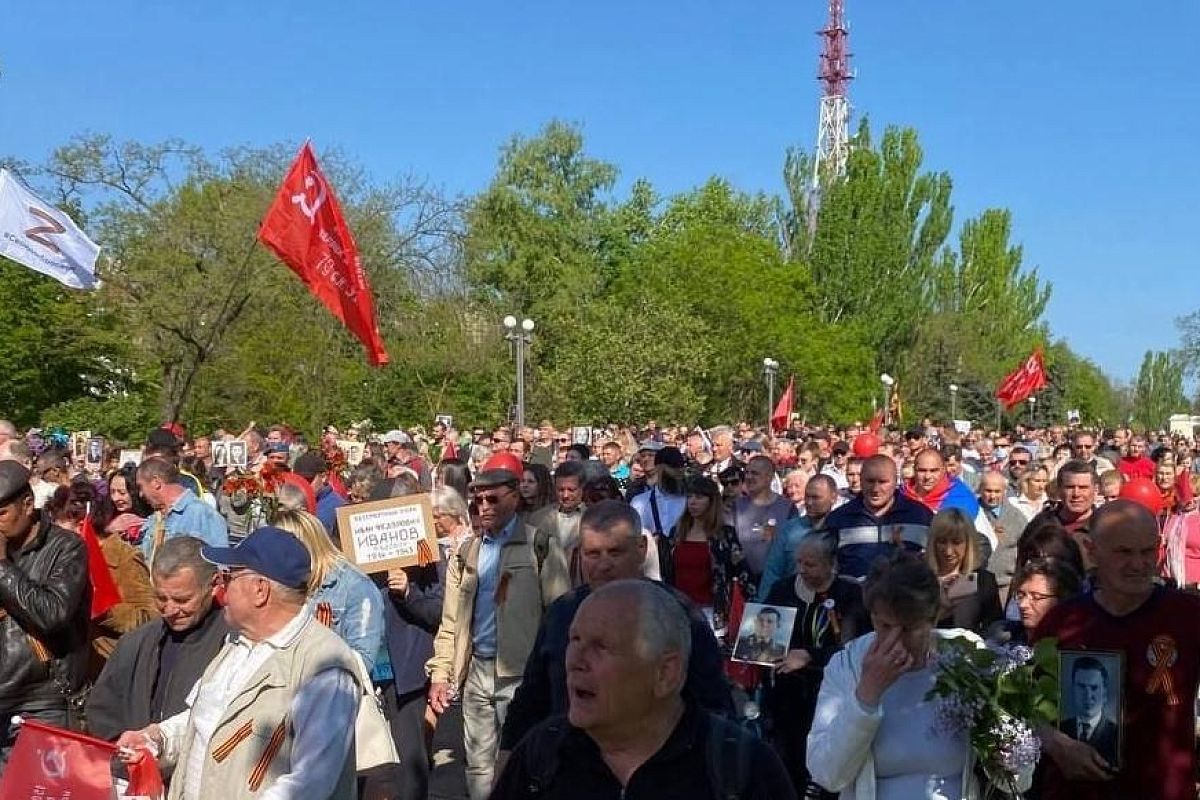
1081 117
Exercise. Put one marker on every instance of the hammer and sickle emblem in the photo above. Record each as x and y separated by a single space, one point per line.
301 198
54 764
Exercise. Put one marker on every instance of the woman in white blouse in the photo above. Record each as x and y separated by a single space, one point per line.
873 735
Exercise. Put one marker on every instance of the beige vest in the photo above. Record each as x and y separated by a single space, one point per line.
252 744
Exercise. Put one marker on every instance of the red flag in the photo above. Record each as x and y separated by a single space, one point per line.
783 409
52 762
306 229
876 421
105 592
145 780
1022 382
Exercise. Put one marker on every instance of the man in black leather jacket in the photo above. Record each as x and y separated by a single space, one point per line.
45 600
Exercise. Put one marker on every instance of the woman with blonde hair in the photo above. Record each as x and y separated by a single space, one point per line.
340 595
970 595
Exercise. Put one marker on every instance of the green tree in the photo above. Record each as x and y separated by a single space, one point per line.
1158 391
877 235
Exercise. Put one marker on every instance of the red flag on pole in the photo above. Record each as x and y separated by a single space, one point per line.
1022 382
782 415
876 421
105 592
52 762
306 229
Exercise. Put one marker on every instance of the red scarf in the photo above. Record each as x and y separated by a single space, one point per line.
937 495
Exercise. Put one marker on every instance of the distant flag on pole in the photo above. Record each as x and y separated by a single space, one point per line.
305 227
37 235
1022 382
782 414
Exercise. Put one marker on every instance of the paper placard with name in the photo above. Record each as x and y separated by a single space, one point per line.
385 534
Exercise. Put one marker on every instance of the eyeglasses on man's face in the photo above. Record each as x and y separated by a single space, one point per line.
228 576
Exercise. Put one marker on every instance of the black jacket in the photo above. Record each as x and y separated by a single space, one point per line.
543 689
46 597
557 760
121 699
410 623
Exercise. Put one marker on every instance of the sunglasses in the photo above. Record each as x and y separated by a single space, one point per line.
1018 461
491 499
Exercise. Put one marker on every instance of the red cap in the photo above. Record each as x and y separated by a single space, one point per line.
500 469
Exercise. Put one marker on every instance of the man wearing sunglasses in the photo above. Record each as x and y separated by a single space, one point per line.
1019 461
262 715
496 591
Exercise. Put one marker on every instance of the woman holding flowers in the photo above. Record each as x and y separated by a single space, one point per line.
874 732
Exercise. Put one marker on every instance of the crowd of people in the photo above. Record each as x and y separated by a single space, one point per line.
585 608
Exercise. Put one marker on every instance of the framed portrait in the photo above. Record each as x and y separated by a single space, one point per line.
764 635
354 451
95 452
130 457
1090 702
79 441
581 434
238 454
444 419
220 454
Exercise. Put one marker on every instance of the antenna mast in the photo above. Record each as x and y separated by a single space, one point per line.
833 131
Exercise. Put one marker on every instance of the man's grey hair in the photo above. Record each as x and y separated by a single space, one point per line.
291 497
293 595
8 429
182 552
663 623
605 516
720 430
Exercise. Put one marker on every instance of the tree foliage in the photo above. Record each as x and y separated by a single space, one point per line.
1158 391
645 305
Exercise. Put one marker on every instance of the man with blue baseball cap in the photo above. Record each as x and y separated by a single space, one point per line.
260 716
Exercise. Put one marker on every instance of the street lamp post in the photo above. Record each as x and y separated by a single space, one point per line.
520 339
1032 403
953 401
770 370
888 381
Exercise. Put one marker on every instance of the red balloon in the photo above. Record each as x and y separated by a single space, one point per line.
1143 492
866 445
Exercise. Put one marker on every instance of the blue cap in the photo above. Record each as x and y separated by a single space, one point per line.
271 552
276 447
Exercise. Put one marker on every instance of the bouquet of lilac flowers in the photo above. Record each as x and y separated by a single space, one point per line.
996 696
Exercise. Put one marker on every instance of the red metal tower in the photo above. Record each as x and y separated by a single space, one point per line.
833 130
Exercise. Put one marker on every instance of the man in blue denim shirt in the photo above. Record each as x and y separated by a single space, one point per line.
177 512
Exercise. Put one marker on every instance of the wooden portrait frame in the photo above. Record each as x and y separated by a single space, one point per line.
358 522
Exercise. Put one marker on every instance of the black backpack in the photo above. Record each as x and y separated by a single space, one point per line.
727 758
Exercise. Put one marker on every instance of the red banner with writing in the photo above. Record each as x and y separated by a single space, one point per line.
55 764
305 227
1021 383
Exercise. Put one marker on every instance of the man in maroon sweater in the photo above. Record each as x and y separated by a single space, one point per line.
1158 631
1135 464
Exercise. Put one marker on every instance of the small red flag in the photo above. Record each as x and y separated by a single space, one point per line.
105 592
145 780
306 229
782 415
1022 382
876 421
52 762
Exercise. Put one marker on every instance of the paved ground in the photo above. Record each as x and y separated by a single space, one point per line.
448 781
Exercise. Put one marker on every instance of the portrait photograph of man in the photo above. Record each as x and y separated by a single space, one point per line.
764 634
1090 700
